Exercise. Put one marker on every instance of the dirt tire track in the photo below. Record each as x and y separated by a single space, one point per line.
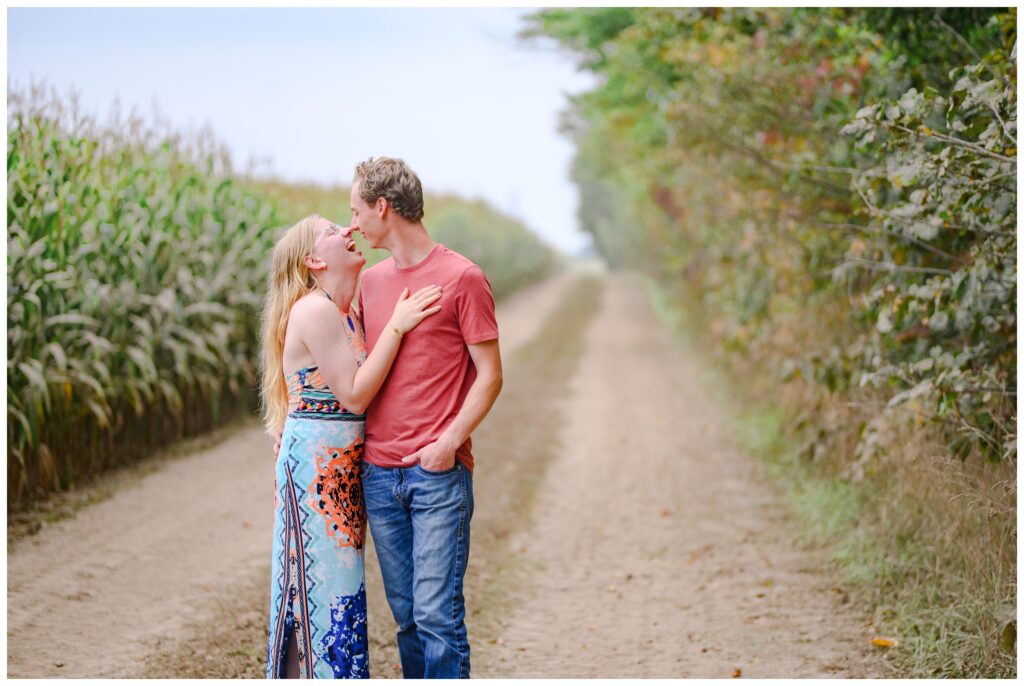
657 549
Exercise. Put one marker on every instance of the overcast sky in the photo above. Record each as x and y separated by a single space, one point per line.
470 107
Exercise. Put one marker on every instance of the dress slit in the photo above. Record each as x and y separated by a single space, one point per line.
297 586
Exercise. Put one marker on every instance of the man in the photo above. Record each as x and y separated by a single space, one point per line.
417 461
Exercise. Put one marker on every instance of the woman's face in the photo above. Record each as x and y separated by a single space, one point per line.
334 245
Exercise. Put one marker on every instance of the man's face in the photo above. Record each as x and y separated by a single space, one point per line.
365 219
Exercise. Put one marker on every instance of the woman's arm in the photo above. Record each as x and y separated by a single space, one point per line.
354 386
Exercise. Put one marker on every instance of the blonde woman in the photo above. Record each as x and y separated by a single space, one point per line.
317 382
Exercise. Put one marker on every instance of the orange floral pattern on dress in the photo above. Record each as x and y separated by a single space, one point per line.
337 494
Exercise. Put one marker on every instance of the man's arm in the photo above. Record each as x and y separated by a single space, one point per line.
440 455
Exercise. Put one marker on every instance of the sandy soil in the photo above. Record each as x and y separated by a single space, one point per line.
90 595
651 548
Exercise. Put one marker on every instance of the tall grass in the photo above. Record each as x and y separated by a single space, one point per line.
137 263
926 543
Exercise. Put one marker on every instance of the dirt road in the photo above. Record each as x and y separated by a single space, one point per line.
619 532
657 551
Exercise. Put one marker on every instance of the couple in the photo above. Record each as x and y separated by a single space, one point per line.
373 427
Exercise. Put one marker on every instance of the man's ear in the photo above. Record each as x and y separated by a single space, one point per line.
382 207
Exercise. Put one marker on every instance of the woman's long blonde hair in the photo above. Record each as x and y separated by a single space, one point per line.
289 280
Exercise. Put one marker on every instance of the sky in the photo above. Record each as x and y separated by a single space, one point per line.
308 93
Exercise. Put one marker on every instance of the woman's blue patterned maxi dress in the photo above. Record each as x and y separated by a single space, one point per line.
317 581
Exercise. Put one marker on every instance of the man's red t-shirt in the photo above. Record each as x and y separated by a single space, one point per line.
433 371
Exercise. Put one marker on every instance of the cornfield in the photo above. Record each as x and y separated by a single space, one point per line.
136 268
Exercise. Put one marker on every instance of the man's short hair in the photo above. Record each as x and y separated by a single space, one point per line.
393 180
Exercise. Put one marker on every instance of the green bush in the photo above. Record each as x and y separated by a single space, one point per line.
836 189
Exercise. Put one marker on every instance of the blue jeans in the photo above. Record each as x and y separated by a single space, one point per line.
419 521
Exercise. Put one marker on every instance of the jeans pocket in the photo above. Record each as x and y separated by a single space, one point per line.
423 469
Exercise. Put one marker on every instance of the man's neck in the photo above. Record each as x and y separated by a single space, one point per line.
411 246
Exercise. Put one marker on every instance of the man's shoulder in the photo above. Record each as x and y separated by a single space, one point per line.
459 263
455 257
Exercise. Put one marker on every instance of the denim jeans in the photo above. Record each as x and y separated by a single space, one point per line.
419 521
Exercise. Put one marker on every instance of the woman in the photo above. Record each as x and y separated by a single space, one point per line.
315 388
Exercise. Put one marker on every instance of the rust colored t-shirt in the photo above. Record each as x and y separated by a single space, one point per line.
433 371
